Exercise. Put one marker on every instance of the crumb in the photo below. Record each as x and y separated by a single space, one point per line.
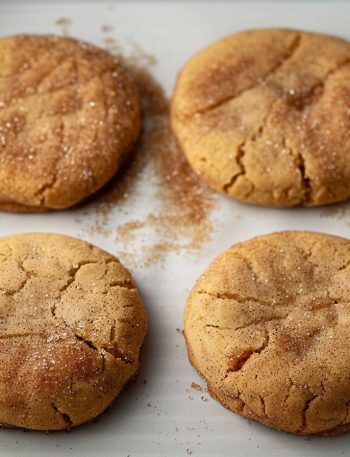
106 28
196 386
64 23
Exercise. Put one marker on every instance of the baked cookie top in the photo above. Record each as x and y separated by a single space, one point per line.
71 327
69 113
264 116
267 325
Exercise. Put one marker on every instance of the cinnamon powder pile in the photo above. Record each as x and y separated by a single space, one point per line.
184 204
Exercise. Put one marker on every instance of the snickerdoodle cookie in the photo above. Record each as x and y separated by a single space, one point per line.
267 326
264 116
69 113
71 327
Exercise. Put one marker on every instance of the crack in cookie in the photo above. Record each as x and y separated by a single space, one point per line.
71 327
267 326
252 115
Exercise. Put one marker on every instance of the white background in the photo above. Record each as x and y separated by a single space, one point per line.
172 31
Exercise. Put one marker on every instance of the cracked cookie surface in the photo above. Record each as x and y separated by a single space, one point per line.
71 327
267 326
69 114
263 116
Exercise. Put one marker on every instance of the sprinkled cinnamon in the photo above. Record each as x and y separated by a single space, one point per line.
341 211
183 204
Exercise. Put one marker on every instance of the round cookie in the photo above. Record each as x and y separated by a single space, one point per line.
263 116
267 326
71 327
69 114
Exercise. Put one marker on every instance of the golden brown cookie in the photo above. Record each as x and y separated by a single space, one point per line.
267 326
71 327
69 114
264 116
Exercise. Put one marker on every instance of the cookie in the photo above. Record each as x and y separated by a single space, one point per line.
69 114
264 117
72 324
267 326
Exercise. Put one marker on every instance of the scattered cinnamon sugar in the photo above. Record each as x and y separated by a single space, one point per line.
127 231
196 386
64 23
139 57
183 204
112 45
340 211
106 28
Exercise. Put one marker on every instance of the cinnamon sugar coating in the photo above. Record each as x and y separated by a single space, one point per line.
71 327
69 113
267 326
264 116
